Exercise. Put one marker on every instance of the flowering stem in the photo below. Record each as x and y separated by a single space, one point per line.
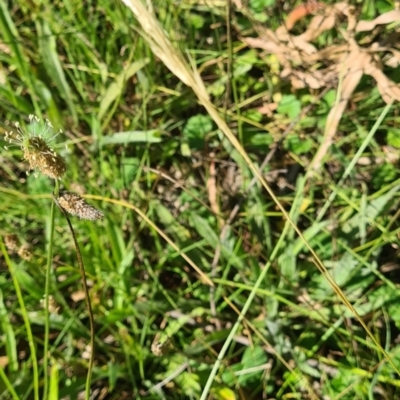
47 293
87 298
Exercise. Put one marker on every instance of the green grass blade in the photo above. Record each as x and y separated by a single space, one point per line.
8 385
117 87
10 34
8 331
150 136
52 64
53 388
25 317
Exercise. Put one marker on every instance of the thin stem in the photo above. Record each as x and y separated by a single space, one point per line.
87 298
25 317
47 294
8 384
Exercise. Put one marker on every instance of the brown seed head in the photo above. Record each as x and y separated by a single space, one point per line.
73 204
54 307
25 252
43 158
11 242
34 143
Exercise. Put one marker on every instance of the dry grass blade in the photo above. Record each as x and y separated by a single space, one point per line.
326 21
353 69
388 90
386 18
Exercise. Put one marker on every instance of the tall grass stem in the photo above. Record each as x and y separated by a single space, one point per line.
87 298
47 293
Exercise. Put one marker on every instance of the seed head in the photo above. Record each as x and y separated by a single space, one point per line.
54 307
73 204
25 252
34 143
11 242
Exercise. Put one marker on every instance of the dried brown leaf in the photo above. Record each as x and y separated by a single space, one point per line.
268 109
238 4
389 90
212 187
302 79
262 43
386 18
292 42
79 295
353 69
4 361
393 60
321 67
301 11
325 21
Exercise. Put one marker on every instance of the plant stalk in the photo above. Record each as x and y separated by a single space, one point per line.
47 294
87 298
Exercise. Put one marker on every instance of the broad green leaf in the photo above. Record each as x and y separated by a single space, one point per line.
204 229
196 129
330 98
189 383
341 270
287 264
151 136
171 224
223 393
393 138
298 145
384 174
289 106
254 356
264 140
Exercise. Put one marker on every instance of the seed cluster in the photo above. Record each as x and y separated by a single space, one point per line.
11 242
74 204
34 142
43 158
25 252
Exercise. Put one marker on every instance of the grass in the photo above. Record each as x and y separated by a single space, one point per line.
295 298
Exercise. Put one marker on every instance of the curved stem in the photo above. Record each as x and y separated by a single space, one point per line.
87 298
